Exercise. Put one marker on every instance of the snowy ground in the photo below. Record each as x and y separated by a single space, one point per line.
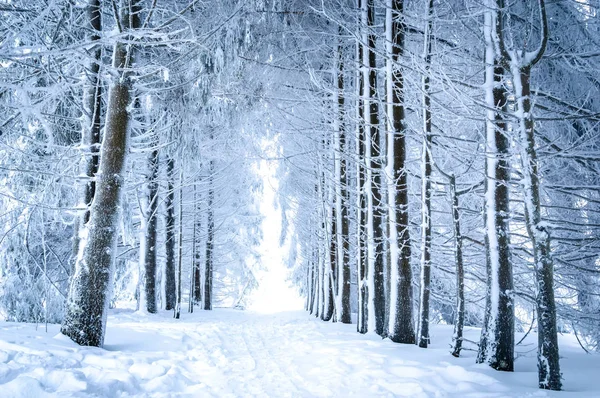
228 353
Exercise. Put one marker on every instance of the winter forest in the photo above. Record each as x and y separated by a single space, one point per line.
243 198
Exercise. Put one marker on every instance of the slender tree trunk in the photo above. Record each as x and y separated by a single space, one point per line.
320 251
177 310
197 258
194 254
521 63
150 235
375 209
401 328
425 285
313 282
210 234
539 233
329 276
328 229
459 320
170 274
85 319
361 205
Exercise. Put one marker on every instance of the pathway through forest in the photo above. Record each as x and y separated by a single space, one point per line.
229 353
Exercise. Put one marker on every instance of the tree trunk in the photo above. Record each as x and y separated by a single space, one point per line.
177 310
343 249
361 233
150 235
459 320
375 208
313 283
401 302
539 233
87 304
329 281
210 234
196 254
425 286
92 113
170 280
497 336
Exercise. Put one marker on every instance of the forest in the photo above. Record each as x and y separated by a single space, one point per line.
423 174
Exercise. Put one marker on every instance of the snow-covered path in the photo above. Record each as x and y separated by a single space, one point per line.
227 353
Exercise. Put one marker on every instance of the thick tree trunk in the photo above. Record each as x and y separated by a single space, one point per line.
401 328
423 339
343 249
87 304
497 336
170 282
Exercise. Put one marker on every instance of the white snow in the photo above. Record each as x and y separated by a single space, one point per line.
229 353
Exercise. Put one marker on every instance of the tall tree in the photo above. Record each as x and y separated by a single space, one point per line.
520 63
401 328
85 320
496 346
170 280
342 198
361 175
210 236
151 223
426 168
375 208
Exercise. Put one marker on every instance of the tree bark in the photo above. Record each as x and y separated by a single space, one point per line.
196 254
361 233
210 234
549 376
423 339
87 304
177 310
497 338
375 208
401 328
150 235
343 249
459 319
170 282
92 114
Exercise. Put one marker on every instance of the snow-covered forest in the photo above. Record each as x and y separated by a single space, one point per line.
425 174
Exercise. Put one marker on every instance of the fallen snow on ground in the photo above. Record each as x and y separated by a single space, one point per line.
229 353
